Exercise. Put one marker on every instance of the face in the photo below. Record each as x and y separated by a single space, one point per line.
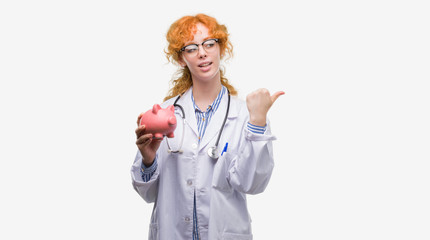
204 65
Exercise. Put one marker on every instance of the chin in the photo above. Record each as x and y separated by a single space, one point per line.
210 75
207 76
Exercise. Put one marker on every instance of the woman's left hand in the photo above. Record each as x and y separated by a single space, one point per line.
259 103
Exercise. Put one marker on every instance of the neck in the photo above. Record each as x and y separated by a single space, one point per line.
205 93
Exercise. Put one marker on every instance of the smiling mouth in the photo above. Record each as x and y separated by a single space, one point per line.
205 64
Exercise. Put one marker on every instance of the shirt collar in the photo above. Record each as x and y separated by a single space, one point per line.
214 106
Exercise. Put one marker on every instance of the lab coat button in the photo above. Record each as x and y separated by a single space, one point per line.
190 182
194 146
187 219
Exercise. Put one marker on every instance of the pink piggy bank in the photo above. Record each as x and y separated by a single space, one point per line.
159 121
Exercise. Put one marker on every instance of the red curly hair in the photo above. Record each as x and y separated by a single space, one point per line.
182 31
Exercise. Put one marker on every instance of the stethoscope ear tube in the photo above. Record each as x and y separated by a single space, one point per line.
169 149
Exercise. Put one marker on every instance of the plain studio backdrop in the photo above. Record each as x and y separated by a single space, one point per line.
352 154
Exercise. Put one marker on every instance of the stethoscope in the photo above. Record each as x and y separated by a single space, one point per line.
212 151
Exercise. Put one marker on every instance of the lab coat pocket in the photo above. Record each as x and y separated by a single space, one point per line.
153 231
221 171
236 236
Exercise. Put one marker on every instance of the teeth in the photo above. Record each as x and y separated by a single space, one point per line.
204 65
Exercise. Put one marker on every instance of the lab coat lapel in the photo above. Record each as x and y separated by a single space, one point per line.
215 123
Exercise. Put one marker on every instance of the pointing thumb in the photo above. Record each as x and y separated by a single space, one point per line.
276 95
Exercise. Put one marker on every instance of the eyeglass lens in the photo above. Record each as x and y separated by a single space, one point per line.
193 49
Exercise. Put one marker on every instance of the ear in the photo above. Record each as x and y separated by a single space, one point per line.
171 108
155 108
181 61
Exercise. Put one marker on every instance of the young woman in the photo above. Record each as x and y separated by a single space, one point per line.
200 191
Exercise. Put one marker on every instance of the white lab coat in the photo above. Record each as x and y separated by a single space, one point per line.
220 185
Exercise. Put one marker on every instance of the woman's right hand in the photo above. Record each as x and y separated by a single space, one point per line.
146 144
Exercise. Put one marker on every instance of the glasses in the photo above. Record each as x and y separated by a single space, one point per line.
192 49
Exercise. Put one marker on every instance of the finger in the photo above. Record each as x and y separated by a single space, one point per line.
276 95
138 119
144 140
140 130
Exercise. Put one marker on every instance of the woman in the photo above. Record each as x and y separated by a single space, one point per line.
196 196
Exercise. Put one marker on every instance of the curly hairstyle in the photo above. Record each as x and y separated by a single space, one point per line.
182 31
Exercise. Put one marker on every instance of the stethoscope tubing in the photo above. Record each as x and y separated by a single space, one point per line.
212 150
225 120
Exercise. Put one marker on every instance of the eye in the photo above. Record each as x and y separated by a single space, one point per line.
209 45
190 48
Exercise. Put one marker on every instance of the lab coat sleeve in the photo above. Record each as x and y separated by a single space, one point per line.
250 170
147 190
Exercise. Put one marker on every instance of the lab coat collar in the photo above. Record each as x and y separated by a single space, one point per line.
217 119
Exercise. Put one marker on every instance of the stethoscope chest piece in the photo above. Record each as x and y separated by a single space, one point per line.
213 152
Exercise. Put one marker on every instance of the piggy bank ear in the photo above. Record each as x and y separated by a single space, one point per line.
155 108
171 108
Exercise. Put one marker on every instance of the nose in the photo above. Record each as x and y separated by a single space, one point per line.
202 52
